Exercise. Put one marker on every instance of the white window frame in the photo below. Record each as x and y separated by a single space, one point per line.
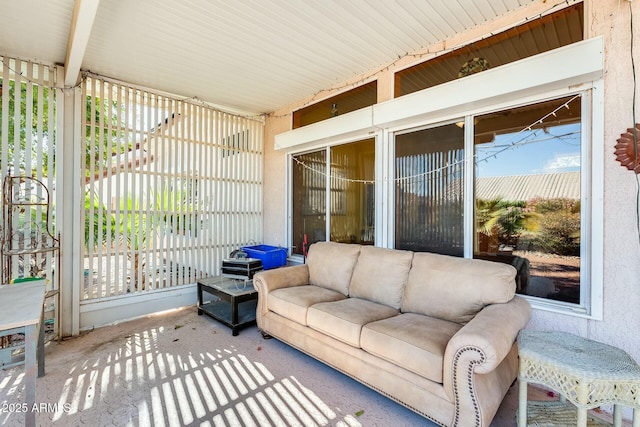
575 68
325 146
591 214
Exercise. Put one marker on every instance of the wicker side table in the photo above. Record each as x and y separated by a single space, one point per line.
585 372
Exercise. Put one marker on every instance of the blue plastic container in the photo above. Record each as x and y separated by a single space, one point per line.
271 256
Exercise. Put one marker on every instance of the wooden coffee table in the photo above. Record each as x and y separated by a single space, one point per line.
234 301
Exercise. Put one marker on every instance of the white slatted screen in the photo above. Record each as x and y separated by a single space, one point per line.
172 187
28 142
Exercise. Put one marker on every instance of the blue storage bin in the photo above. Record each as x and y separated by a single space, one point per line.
271 256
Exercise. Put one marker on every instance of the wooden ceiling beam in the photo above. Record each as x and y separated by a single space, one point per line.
84 13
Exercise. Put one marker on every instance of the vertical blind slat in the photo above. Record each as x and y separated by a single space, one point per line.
4 155
184 192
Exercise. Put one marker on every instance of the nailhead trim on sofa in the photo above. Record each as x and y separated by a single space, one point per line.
480 361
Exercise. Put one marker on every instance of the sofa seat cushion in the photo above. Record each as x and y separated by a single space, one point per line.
293 302
343 320
412 341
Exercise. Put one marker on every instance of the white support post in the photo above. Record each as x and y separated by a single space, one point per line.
69 210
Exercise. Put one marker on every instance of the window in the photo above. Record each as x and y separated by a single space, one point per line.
527 202
429 194
454 173
528 169
340 177
309 200
354 99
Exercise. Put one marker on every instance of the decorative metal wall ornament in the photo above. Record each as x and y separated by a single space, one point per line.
625 152
473 66
334 110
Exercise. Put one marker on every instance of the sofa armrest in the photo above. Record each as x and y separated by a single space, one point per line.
269 280
285 277
480 361
492 331
481 345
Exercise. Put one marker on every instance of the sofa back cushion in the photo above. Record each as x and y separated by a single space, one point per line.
380 275
331 265
456 289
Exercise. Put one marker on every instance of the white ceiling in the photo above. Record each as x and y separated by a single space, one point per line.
249 55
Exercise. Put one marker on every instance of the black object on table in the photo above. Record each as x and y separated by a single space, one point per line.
234 301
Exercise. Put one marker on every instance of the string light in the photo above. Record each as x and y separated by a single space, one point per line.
314 96
153 95
21 73
337 178
522 141
144 93
367 77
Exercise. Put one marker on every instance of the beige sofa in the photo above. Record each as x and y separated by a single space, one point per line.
435 333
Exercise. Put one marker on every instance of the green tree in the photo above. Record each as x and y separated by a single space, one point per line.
488 213
515 219
98 229
104 145
18 131
178 201
504 220
141 218
560 231
136 228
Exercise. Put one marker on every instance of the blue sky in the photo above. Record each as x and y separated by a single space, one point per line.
550 150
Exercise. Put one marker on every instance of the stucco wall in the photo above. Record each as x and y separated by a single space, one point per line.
621 323
275 182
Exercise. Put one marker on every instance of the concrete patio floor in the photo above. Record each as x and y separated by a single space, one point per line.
177 369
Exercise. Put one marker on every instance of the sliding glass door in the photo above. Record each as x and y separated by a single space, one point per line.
341 178
429 191
526 207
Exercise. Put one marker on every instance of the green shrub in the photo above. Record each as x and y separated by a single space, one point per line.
559 233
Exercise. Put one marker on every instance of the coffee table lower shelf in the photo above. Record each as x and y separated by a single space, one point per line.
221 311
554 413
230 301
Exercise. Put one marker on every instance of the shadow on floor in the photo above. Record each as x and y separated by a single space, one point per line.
178 368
